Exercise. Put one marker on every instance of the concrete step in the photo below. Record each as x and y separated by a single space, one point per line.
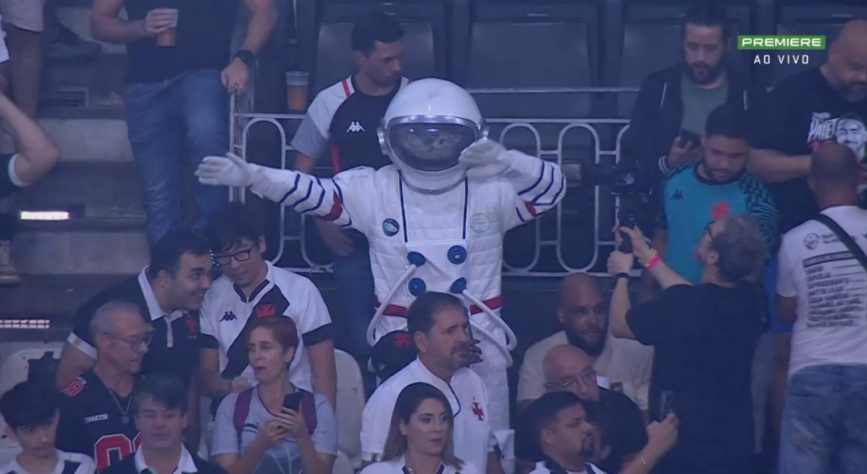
88 190
96 85
89 139
96 247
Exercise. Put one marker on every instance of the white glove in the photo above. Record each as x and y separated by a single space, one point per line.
485 159
229 170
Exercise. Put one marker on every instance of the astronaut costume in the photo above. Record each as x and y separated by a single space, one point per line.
435 219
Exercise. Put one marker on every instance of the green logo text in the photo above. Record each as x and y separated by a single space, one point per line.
781 42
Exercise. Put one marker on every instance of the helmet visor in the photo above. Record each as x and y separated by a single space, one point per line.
430 146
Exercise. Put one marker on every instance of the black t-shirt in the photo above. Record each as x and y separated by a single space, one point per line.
7 187
804 112
704 339
619 418
177 355
92 422
204 39
353 129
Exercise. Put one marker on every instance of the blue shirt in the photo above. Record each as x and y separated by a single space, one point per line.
691 202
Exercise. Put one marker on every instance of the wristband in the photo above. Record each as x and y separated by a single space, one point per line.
652 262
650 256
621 275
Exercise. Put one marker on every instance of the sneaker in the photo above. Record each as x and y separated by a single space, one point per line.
68 46
8 274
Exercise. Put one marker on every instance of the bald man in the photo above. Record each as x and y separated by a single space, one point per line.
822 288
622 365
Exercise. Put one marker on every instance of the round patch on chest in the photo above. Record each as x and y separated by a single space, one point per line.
480 223
390 227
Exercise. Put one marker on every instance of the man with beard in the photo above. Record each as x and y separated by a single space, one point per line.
803 112
681 97
562 434
440 328
622 365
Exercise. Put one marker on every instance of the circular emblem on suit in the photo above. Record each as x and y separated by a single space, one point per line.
390 227
480 223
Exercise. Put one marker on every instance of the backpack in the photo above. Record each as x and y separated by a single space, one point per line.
242 409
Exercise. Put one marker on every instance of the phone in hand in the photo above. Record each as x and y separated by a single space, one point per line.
689 139
292 401
666 404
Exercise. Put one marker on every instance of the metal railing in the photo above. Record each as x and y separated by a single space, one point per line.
556 264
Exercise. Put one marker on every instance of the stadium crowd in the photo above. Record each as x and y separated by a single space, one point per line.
752 303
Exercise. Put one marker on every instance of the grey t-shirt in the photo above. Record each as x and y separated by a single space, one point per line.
283 458
698 103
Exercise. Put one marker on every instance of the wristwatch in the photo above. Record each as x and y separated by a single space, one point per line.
247 57
621 275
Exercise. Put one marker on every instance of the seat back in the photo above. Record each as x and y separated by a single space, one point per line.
529 44
423 21
653 40
350 406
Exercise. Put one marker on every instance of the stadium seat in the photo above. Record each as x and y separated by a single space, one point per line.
797 17
18 367
350 405
325 33
652 40
527 44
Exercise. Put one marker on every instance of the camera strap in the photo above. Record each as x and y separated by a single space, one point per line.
845 238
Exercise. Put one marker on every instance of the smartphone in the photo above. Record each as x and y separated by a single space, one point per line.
666 403
691 139
292 401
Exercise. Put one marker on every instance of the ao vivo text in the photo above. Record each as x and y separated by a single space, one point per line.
781 59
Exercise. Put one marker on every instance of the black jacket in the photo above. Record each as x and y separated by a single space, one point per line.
658 113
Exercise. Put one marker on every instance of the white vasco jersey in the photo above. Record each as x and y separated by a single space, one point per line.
450 242
831 290
398 466
473 437
227 315
67 463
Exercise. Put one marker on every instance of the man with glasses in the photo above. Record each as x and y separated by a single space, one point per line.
252 288
168 293
623 365
95 415
568 368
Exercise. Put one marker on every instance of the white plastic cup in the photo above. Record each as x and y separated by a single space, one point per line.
168 37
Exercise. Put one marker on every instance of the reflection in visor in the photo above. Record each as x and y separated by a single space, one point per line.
430 146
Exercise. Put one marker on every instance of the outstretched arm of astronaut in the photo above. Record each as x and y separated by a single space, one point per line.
539 185
304 193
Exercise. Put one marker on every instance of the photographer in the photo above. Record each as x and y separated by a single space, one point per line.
704 337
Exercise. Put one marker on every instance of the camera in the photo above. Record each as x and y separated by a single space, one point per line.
631 184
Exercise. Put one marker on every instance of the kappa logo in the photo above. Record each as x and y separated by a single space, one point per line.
229 316
192 323
390 227
719 210
355 127
811 241
677 196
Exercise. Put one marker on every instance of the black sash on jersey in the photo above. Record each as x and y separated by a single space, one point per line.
557 469
273 303
69 467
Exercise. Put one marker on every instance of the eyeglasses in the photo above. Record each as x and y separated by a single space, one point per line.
587 379
239 256
136 343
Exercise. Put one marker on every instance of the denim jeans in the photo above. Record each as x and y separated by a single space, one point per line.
183 116
354 280
824 421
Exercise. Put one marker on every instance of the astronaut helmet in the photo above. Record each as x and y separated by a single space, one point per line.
426 127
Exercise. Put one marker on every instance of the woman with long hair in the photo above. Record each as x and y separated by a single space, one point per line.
420 438
274 427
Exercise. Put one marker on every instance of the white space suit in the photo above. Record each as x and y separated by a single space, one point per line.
435 219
